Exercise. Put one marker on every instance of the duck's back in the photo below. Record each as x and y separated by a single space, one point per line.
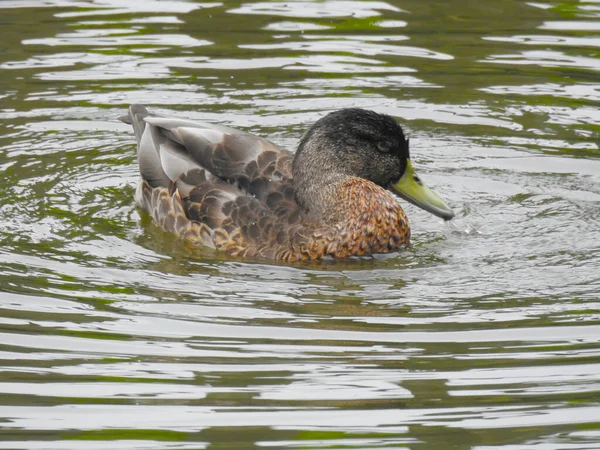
215 186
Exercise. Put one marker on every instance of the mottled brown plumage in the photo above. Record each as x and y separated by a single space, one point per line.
235 192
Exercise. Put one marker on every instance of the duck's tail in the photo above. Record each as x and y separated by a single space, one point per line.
136 116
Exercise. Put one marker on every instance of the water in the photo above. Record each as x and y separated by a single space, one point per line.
484 335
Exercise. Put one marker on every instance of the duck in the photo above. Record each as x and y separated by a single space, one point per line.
336 196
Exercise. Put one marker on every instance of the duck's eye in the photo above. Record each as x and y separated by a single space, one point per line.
384 147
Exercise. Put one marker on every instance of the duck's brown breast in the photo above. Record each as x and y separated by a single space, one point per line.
368 220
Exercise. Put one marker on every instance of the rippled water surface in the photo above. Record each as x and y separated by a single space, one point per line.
484 335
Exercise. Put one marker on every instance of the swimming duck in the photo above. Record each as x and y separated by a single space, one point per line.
236 192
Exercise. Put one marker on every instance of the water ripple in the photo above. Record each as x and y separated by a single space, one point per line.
335 8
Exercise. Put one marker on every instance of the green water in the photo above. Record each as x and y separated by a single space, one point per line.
484 335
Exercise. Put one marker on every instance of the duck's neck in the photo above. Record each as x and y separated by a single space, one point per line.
318 176
319 197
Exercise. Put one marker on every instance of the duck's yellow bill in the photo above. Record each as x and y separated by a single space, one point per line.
412 189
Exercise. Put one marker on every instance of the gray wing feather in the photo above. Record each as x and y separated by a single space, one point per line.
148 157
175 161
169 123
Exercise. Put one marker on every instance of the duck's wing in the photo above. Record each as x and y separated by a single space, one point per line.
234 186
253 164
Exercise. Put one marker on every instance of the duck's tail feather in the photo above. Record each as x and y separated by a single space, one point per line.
136 116
150 141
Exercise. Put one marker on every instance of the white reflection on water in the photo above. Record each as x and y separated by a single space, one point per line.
579 25
120 37
545 58
295 26
137 67
97 444
583 91
331 8
196 418
354 47
107 390
571 41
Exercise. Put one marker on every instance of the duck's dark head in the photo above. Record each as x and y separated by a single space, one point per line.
359 143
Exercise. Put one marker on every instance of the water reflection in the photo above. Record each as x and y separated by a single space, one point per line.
545 58
334 8
116 36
